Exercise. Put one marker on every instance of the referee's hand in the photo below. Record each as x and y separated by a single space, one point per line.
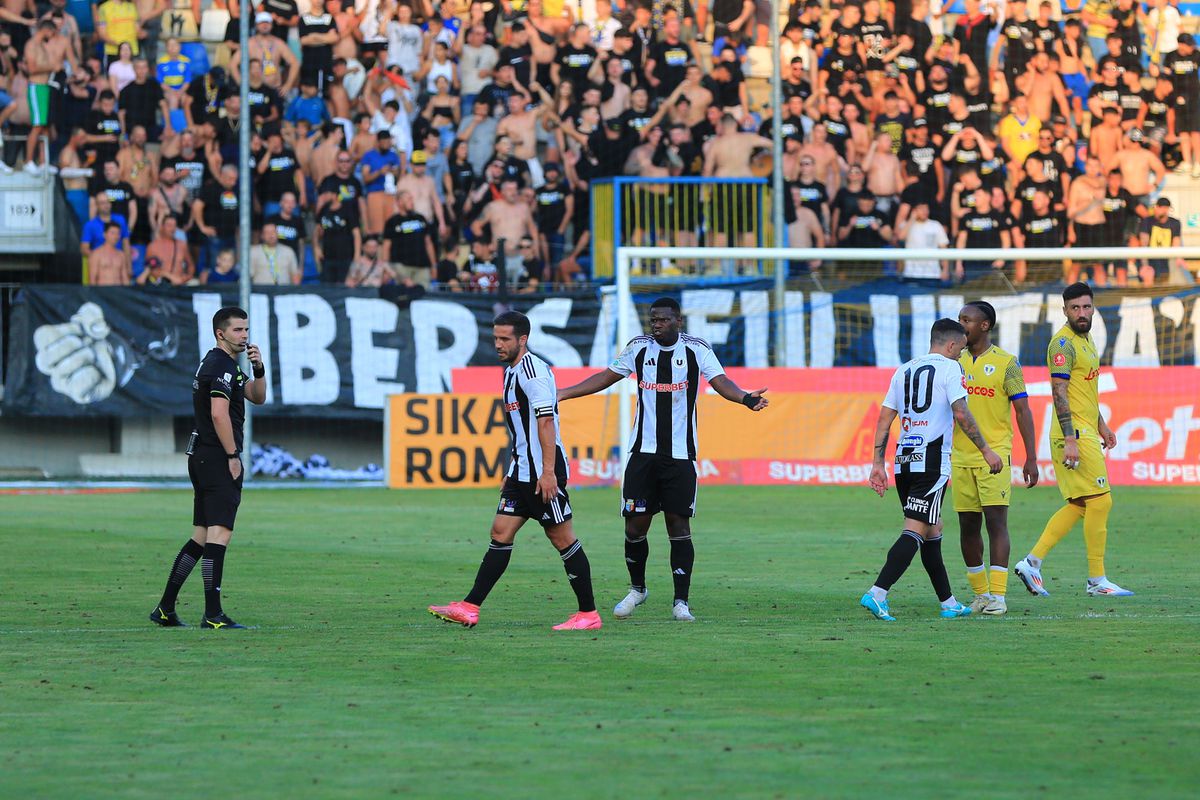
254 355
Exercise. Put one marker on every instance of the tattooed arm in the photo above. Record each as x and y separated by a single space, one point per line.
966 422
883 429
1062 409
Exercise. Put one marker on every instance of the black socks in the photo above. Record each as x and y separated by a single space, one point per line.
579 574
898 559
495 561
212 565
931 557
637 551
683 555
188 555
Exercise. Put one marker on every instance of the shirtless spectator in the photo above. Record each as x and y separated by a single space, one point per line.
509 219
172 253
884 177
424 193
1085 210
1107 140
45 54
280 69
107 265
728 156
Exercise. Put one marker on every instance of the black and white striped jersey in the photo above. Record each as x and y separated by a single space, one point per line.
530 393
921 393
668 383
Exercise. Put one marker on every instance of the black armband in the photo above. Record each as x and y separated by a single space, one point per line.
749 400
232 456
259 371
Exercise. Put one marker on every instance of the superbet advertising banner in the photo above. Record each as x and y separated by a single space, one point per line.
818 430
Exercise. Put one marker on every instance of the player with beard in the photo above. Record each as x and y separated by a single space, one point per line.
536 484
661 474
1078 437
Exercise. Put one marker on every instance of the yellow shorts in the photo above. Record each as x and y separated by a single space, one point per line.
976 487
1089 478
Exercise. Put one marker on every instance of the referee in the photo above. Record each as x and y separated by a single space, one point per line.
219 393
661 474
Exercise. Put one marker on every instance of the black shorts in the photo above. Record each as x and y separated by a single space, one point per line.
217 494
921 495
656 483
1091 235
1187 118
521 499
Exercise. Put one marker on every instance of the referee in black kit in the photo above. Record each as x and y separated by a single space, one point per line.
219 393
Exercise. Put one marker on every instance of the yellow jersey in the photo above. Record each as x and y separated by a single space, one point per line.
121 20
1074 358
994 381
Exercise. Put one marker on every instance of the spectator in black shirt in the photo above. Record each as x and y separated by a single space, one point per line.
141 101
265 103
278 172
318 33
971 33
285 15
552 214
408 243
205 96
216 216
103 127
518 54
667 60
289 226
577 61
982 228
337 240
1183 66
347 188
119 192
867 226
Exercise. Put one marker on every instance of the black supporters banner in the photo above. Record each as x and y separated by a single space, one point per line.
84 351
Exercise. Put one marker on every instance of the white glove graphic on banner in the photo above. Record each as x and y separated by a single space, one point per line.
77 356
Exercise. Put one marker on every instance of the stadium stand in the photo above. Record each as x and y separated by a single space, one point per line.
469 140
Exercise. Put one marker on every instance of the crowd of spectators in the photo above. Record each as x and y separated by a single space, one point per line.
455 144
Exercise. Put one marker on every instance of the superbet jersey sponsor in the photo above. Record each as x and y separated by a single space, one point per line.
668 382
921 393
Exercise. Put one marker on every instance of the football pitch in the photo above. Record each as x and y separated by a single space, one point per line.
783 687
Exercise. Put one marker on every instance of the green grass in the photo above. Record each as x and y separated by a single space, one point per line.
782 688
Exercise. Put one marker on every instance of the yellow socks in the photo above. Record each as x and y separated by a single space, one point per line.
1095 531
977 577
998 581
1059 526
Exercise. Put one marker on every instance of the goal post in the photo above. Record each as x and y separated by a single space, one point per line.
856 311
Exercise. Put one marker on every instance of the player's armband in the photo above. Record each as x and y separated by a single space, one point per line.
543 411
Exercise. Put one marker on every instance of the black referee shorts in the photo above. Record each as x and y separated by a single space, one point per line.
217 494
921 495
656 483
521 499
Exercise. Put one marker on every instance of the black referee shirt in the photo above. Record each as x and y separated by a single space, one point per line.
218 376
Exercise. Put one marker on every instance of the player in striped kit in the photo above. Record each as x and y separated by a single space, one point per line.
661 474
929 394
536 484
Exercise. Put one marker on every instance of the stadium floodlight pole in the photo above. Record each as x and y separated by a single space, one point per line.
244 202
777 189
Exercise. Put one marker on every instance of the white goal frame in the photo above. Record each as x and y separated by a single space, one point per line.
625 256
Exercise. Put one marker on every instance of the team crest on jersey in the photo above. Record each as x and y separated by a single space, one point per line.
989 369
1059 359
1101 481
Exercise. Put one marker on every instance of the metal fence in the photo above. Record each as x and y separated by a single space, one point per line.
676 212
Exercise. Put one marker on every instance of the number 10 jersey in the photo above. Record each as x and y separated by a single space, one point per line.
921 393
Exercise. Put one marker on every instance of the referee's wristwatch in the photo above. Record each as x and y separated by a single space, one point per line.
232 456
